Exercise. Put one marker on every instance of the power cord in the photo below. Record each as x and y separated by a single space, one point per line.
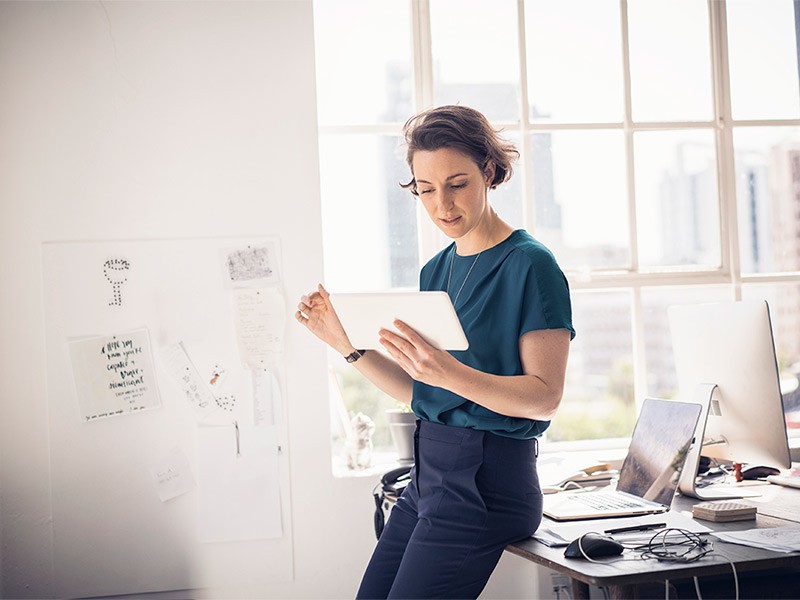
686 546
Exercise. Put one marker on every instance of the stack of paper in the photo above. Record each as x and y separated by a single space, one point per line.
723 511
779 539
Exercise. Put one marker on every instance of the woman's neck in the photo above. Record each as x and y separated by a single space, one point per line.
481 238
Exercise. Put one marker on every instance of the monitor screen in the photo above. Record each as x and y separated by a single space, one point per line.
730 345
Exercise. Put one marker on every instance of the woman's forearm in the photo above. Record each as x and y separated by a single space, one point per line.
525 396
386 375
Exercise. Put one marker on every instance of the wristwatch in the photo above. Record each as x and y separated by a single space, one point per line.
351 358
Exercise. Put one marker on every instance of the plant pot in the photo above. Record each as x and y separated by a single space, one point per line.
402 425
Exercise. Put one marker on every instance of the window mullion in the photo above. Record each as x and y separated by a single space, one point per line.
627 129
423 98
526 153
729 230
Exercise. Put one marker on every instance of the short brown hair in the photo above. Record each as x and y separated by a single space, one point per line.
464 129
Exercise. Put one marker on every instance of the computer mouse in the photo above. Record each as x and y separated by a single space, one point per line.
759 472
593 545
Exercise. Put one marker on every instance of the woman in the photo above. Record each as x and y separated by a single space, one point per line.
474 486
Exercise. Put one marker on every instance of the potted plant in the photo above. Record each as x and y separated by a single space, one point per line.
402 423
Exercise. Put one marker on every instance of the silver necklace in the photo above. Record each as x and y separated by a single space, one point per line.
463 283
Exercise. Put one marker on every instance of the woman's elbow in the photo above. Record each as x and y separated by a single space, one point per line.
546 405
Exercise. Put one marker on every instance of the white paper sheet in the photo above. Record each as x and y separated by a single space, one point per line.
239 496
779 539
266 397
114 374
250 266
183 373
259 316
172 475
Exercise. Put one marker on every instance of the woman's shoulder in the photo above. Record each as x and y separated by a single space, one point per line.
524 247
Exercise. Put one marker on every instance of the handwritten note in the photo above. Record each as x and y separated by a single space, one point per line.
172 476
259 319
114 375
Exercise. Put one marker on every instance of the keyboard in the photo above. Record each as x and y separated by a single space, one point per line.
605 501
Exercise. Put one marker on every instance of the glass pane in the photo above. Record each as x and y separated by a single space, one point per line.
476 56
363 57
670 81
762 50
580 197
507 198
598 396
784 312
360 176
767 164
661 377
574 55
676 198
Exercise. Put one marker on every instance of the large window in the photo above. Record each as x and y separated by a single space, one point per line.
660 161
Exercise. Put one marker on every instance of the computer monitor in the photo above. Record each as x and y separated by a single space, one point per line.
725 360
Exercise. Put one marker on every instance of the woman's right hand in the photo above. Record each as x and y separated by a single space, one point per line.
316 313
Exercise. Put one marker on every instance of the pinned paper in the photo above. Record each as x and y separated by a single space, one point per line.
188 380
114 374
239 492
259 319
250 266
172 476
266 397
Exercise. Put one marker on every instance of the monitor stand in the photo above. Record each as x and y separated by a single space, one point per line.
687 484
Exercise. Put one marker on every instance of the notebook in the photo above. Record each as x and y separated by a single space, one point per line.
651 470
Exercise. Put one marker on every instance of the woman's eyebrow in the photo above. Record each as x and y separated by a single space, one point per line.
448 179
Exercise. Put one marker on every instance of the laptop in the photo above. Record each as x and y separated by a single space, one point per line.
650 473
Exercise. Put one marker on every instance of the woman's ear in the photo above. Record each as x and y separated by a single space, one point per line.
488 173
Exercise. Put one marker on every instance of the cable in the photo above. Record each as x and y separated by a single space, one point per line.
689 547
697 588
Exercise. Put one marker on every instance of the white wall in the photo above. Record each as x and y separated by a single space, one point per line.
163 120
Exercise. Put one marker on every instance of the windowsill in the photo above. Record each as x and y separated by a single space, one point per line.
556 459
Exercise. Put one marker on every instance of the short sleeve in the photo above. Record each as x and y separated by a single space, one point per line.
546 300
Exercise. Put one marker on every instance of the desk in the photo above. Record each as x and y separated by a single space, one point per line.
629 578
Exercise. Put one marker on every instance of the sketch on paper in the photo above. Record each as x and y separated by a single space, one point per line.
115 271
226 403
114 374
250 266
178 364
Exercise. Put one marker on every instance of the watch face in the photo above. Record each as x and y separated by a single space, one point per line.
354 356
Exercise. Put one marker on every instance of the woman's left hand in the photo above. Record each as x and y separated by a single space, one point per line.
417 357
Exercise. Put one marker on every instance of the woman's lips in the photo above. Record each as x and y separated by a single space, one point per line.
450 222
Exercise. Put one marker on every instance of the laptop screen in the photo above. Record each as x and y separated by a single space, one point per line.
658 449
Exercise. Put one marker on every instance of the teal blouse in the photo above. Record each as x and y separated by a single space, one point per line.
510 289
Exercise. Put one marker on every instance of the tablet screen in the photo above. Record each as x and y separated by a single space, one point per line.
429 313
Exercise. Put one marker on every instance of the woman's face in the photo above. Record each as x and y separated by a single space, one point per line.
452 189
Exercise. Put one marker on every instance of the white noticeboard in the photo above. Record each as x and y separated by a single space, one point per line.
169 453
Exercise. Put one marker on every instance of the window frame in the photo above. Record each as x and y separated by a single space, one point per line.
633 279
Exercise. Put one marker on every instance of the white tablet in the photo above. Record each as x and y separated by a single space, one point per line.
430 313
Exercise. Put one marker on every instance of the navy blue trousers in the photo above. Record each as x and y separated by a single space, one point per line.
471 494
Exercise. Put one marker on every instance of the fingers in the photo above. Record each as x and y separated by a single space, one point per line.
410 334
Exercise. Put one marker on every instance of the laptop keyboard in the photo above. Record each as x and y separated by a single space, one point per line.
605 501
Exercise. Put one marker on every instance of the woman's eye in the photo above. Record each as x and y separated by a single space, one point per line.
421 192
458 186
